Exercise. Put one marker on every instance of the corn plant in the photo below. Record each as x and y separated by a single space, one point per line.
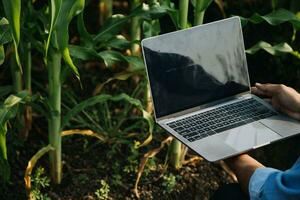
274 18
176 152
62 11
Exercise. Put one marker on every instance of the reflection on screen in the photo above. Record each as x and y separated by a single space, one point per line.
196 66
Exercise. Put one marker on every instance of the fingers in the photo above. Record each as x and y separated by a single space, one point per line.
257 92
268 89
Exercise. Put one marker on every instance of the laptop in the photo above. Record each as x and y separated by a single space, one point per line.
201 91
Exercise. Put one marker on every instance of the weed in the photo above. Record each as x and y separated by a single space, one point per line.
103 191
169 182
39 182
132 159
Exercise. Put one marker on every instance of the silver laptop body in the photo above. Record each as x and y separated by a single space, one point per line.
201 91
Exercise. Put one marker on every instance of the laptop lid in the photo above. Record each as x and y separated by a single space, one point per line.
195 66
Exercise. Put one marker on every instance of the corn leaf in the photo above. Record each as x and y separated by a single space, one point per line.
273 50
117 42
111 27
104 98
151 28
85 37
114 24
109 57
62 12
275 18
8 111
5 36
122 76
12 11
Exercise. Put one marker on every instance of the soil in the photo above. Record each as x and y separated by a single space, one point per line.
87 162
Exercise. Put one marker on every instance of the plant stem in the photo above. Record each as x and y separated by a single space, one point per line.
183 13
135 29
106 10
27 79
198 14
175 154
54 123
28 64
15 74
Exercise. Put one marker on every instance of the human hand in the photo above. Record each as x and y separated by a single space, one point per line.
284 99
243 166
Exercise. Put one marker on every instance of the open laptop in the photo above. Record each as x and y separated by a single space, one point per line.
201 91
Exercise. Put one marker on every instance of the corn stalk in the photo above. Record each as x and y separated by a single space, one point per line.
199 14
199 10
135 29
54 122
62 12
16 74
106 10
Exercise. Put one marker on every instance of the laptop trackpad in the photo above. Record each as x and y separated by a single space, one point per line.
282 125
249 136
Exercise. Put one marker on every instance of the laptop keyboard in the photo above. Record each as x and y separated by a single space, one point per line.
221 119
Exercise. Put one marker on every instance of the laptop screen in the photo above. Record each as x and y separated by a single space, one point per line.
195 66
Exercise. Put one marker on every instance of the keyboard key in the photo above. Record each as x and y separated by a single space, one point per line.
178 129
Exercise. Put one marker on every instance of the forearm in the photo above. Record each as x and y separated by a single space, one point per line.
243 166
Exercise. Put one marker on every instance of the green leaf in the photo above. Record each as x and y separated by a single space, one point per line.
112 26
85 37
109 57
2 54
12 10
62 12
104 98
8 110
151 28
275 18
172 12
273 50
115 23
5 34
117 42
122 76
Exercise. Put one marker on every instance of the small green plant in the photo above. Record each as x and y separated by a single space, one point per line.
39 182
132 159
169 182
103 191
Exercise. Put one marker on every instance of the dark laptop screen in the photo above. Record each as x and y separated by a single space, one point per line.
196 66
